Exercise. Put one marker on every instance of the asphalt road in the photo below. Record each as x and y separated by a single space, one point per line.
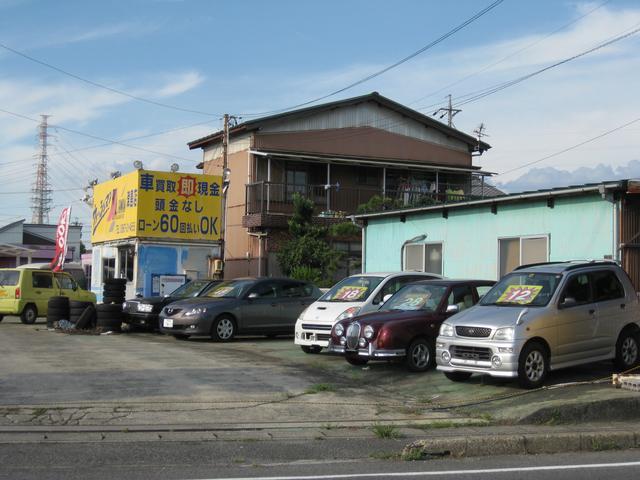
338 459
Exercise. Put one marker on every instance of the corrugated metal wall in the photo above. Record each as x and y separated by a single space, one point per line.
366 114
630 237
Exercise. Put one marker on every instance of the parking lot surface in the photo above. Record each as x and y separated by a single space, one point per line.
149 380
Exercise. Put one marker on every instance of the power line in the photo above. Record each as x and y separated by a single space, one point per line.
573 147
102 139
497 88
511 55
125 139
390 67
51 190
104 87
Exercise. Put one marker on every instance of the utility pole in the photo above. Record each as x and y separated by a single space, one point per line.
448 112
223 223
41 190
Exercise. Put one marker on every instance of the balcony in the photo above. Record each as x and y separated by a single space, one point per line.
270 204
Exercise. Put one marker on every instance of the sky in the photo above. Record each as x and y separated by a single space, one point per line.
206 58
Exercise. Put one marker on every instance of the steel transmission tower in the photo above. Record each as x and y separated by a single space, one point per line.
41 199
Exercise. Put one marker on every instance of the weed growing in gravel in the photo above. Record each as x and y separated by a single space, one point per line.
413 455
386 431
320 387
385 455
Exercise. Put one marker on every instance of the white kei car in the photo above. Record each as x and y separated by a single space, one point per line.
352 296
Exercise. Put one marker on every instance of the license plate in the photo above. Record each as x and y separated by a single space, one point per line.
167 323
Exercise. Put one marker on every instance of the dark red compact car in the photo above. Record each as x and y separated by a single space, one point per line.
407 325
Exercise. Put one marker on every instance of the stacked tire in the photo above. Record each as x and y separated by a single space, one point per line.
114 290
109 317
82 314
57 309
109 314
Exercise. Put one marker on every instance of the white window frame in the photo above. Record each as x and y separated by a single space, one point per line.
424 256
546 236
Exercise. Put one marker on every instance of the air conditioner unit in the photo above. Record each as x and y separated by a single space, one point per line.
218 266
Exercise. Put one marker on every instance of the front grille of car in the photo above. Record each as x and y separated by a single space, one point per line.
316 326
353 335
476 332
470 353
323 336
172 311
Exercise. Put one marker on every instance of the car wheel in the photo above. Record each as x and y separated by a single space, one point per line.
311 348
532 366
355 359
420 355
178 336
29 314
458 376
627 350
224 328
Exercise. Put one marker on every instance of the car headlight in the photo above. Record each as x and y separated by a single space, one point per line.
504 334
348 313
195 311
369 332
145 307
338 330
302 313
446 330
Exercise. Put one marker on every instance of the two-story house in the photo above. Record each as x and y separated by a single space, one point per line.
340 155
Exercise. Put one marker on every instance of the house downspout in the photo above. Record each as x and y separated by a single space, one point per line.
617 209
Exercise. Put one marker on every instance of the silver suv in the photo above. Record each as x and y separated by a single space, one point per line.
544 317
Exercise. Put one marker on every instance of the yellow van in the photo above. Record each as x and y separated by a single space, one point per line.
26 291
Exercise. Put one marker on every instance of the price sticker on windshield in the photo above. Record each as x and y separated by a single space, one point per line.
350 293
413 302
221 292
521 294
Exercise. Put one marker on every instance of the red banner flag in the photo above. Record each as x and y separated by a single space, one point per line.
61 240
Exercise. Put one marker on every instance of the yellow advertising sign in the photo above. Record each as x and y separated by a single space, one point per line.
150 204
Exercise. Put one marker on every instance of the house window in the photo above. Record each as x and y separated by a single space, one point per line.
423 257
517 251
296 180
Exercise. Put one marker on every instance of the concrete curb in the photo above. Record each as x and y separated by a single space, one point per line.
519 444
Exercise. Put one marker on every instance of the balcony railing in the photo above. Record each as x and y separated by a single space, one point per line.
269 197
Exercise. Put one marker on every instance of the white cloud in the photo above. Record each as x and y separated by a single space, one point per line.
98 32
177 84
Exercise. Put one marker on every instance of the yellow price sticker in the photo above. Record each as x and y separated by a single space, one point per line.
521 294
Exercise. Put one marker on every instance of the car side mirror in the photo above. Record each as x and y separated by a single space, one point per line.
451 309
252 295
138 295
568 302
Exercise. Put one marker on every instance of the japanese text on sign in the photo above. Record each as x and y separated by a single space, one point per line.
157 204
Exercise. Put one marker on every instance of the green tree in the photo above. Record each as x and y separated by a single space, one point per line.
307 255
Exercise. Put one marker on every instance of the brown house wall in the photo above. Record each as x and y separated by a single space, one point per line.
363 142
239 246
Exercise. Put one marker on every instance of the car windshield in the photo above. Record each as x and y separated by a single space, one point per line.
190 289
231 289
416 297
523 288
9 278
352 289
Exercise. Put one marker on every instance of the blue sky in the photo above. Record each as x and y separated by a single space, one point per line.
253 56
